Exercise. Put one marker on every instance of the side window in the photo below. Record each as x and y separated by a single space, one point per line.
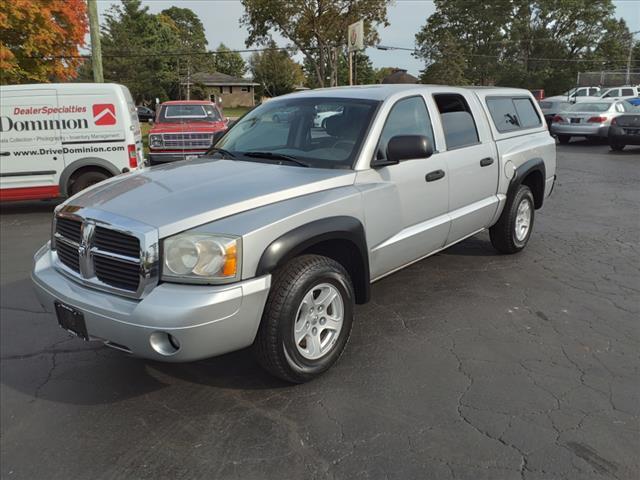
408 116
527 113
612 93
627 92
504 114
457 121
582 92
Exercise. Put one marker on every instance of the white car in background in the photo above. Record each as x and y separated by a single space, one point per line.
578 94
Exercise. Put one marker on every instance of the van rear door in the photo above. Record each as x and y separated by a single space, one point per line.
30 145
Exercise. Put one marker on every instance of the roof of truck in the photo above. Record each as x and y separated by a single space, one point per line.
383 91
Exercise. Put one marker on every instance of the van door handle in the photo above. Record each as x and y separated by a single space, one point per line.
5 154
485 162
435 175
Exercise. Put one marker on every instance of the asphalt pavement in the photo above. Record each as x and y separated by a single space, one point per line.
467 365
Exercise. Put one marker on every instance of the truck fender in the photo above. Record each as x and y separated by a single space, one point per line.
312 237
535 182
84 162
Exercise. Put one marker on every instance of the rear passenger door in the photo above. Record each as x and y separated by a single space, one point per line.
472 163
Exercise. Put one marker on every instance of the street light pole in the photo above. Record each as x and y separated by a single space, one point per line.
96 50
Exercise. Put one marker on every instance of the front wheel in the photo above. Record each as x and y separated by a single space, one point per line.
307 319
86 179
512 231
564 139
617 147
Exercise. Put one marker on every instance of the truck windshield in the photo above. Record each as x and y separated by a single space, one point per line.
188 113
319 132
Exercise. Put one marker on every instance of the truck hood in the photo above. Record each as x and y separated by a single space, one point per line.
197 127
183 195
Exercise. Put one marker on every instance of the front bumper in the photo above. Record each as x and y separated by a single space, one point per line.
580 130
206 320
157 158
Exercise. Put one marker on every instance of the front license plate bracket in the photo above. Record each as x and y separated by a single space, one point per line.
71 320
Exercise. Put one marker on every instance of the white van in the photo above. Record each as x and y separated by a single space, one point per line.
57 139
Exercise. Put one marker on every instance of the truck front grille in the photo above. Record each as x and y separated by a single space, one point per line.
187 141
104 256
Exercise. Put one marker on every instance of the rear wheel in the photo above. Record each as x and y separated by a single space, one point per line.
617 147
307 319
86 179
512 231
564 139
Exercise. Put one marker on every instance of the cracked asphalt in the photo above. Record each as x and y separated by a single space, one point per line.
467 365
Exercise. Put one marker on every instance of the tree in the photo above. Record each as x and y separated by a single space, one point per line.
318 28
363 73
530 44
136 47
228 62
275 71
448 64
40 38
190 31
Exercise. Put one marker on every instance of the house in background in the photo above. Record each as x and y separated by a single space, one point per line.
232 91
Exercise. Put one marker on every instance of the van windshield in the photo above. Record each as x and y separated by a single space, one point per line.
188 113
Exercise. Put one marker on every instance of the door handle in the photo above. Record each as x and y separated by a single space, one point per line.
435 175
5 154
485 162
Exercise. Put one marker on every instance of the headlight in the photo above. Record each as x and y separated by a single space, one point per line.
201 258
155 141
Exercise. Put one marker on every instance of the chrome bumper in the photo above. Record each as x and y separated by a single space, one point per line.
205 320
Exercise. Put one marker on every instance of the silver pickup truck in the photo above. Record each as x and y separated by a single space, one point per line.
272 238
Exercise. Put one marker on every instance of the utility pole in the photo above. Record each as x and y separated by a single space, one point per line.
96 50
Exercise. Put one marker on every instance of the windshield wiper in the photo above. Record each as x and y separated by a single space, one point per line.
224 152
275 156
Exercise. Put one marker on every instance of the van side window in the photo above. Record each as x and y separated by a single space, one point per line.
457 121
408 116
509 114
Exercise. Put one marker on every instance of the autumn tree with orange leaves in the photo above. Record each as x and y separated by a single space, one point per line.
35 34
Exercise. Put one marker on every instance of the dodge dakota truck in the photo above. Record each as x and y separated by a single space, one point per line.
273 237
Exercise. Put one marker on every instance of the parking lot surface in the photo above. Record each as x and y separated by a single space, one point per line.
467 365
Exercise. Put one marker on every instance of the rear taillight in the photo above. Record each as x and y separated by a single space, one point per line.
557 119
133 158
597 120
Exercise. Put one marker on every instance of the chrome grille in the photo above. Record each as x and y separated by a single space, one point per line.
104 254
187 140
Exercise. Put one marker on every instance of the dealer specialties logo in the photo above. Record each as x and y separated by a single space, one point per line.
104 114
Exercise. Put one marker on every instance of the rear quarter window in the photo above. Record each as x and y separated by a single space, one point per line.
510 114
458 124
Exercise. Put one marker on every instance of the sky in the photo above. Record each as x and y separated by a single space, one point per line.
406 17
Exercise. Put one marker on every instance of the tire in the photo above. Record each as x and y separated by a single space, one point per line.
288 309
617 147
507 235
564 139
86 179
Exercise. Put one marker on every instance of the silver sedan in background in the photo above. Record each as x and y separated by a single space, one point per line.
587 119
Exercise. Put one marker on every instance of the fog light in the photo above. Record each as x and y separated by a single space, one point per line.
164 343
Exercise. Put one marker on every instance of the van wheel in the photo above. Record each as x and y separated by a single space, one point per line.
86 179
307 319
564 139
617 147
512 231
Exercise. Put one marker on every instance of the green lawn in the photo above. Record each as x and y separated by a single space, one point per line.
234 112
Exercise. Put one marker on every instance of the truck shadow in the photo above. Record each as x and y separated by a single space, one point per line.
34 206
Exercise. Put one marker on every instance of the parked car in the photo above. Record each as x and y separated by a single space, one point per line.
145 114
550 108
590 120
625 129
578 94
621 93
273 239
57 139
320 120
634 101
538 94
184 129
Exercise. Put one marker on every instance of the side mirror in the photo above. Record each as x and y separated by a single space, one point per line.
407 147
217 136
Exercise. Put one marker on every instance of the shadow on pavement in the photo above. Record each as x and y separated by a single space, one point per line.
37 206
